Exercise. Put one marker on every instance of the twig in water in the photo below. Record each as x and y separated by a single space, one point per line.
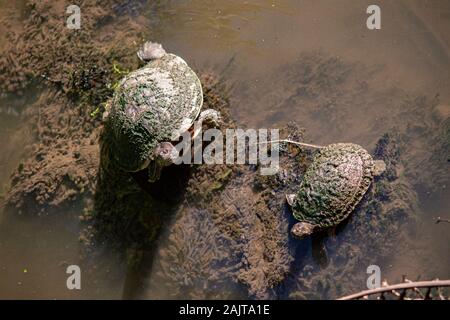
439 219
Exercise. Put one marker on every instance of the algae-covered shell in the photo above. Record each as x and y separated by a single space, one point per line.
335 182
153 104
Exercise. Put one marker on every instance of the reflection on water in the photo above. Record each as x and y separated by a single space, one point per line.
284 53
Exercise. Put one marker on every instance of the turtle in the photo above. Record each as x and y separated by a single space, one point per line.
335 182
151 109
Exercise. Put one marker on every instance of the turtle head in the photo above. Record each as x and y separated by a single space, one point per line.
151 51
165 154
379 166
303 229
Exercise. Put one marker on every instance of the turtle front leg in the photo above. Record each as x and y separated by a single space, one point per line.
154 171
290 199
164 155
210 117
301 230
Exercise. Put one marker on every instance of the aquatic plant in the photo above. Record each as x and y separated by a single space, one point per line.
194 260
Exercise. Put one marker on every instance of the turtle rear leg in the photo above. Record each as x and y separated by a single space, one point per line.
210 117
379 166
151 51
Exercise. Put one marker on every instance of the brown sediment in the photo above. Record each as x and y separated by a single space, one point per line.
74 70
43 46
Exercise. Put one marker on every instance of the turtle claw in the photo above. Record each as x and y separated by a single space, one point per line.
165 154
290 199
210 117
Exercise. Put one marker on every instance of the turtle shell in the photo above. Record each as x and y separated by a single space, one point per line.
153 104
334 183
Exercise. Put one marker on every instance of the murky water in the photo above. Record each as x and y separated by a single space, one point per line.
257 45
